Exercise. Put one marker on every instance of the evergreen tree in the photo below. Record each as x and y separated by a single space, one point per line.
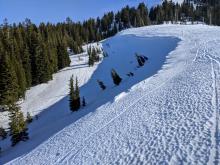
3 133
95 55
29 118
71 94
63 57
143 14
74 101
130 74
101 84
18 126
115 77
140 60
8 81
77 102
27 66
125 17
42 64
83 102
21 79
91 56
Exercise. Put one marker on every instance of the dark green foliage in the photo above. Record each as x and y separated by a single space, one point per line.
141 60
205 10
93 54
3 133
8 81
130 74
18 126
83 102
29 55
91 58
115 77
74 95
101 84
62 55
29 118
77 102
71 94
27 66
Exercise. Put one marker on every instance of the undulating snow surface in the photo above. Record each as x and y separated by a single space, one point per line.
167 113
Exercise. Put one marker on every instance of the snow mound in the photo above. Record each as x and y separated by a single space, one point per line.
120 96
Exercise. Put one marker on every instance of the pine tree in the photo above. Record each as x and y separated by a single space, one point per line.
21 79
115 77
144 14
101 84
62 55
29 118
42 63
71 94
83 102
91 56
140 60
3 133
8 81
77 102
74 101
27 66
18 68
18 126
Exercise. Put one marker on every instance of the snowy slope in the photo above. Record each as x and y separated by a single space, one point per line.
167 113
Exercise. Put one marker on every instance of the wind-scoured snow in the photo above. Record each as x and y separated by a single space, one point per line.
168 113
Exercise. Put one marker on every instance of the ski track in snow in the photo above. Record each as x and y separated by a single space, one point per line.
215 102
172 117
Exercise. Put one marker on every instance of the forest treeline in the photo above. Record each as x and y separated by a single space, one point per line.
30 54
207 11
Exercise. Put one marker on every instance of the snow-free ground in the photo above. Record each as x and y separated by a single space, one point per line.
168 113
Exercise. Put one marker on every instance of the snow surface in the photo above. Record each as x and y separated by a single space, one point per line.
168 113
176 1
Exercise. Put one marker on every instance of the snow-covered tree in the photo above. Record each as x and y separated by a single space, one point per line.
115 77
